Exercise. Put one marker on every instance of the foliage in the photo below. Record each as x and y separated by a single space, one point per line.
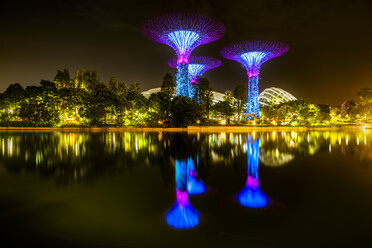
241 98
184 112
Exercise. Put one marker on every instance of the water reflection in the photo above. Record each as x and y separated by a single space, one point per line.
194 186
251 195
182 215
81 157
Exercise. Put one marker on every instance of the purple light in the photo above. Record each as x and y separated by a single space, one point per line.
252 54
198 65
183 32
182 197
252 182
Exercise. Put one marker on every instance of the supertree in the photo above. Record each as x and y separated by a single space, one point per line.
251 195
182 215
252 54
198 65
183 32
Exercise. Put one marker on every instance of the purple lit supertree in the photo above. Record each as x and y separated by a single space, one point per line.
252 54
198 65
183 32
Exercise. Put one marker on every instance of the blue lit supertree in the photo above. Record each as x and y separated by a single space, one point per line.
252 54
251 195
182 215
198 65
183 32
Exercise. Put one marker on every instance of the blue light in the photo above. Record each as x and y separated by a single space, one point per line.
194 186
192 91
253 59
182 215
251 195
252 198
181 174
195 70
182 80
253 107
183 40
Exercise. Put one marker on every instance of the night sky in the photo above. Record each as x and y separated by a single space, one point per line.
329 59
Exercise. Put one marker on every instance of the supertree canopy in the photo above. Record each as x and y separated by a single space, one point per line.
183 32
252 54
198 65
251 195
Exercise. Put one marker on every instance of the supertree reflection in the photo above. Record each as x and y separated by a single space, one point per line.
251 195
194 186
182 215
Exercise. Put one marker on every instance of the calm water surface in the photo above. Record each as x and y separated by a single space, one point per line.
134 189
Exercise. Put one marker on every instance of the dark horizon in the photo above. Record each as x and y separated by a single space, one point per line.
328 61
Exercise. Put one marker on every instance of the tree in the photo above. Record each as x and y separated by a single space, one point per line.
168 85
10 103
241 98
204 94
183 112
228 97
63 79
223 110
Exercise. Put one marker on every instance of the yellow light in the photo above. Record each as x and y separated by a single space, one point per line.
198 122
274 122
254 122
223 122
160 122
223 136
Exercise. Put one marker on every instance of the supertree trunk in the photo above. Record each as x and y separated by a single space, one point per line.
253 109
182 80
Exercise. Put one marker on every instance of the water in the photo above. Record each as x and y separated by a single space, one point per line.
125 189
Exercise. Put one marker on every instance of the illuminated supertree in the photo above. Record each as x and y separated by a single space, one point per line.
198 65
252 54
182 215
251 195
183 32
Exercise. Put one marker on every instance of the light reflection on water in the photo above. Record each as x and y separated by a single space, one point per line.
74 154
183 159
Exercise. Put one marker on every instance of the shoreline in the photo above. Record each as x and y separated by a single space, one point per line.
189 129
